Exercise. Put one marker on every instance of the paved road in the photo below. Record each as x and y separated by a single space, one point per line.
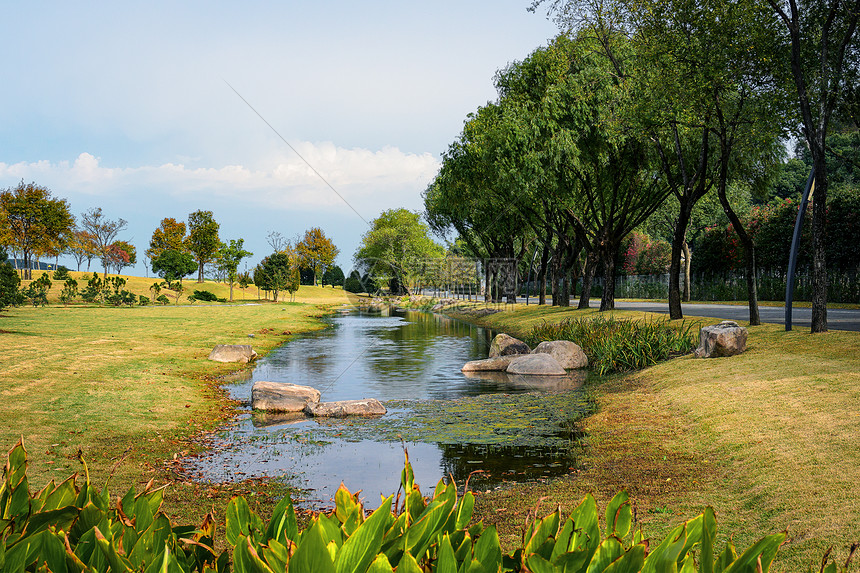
837 318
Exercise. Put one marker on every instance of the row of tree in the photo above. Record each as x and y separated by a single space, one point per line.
639 102
34 224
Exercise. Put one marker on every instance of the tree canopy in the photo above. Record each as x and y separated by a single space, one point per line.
35 223
316 252
397 248
202 239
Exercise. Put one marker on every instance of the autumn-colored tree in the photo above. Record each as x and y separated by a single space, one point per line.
202 240
104 232
170 235
36 223
122 254
316 252
82 246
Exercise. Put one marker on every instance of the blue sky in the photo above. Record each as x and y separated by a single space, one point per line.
126 106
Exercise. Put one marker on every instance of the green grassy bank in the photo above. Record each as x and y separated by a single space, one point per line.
769 438
130 387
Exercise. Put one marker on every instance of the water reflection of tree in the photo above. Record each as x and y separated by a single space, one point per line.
423 343
506 463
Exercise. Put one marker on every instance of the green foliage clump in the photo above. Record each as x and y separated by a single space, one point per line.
10 292
143 300
93 291
614 345
115 294
204 295
61 274
37 291
69 528
70 290
162 299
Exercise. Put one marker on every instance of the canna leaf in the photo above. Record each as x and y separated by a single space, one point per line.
607 552
761 553
360 549
619 515
283 525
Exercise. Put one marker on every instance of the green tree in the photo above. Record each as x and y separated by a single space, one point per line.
10 292
203 239
397 247
170 235
228 259
821 44
35 222
316 252
333 275
173 265
277 272
104 232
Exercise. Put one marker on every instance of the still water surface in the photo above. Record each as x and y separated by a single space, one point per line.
411 362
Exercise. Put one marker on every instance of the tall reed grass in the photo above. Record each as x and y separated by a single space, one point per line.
614 345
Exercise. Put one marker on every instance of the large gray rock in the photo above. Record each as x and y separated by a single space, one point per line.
570 381
497 364
727 338
233 353
282 396
566 353
536 365
366 407
504 345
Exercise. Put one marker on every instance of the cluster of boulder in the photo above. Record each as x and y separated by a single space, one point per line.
551 358
283 397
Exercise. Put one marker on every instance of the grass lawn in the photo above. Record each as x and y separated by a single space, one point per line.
770 438
130 386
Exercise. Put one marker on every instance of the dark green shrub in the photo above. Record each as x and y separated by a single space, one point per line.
70 290
162 298
204 295
10 283
143 300
61 274
37 291
93 290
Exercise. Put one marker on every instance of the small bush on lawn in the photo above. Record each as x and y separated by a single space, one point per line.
614 345
67 527
205 295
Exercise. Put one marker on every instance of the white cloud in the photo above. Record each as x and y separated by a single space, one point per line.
360 176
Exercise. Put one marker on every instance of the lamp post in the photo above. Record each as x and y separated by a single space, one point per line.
795 246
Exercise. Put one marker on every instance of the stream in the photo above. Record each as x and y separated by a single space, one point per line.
508 429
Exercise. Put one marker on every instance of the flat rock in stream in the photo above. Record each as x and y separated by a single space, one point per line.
282 396
343 408
497 364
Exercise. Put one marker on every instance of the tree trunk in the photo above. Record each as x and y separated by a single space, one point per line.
544 257
587 279
607 301
200 272
819 253
749 248
679 239
687 265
